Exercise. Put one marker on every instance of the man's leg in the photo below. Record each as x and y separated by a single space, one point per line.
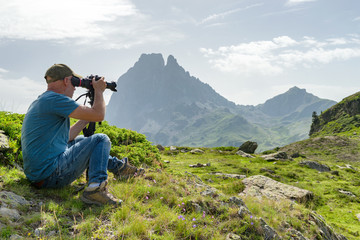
82 153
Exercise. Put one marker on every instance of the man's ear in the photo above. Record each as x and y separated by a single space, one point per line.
67 81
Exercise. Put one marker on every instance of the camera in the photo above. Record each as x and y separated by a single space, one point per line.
87 83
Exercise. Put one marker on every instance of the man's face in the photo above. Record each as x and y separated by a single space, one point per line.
70 89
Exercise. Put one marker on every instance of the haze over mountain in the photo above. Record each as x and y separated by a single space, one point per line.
171 107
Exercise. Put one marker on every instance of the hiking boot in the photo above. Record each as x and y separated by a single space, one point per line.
128 171
99 196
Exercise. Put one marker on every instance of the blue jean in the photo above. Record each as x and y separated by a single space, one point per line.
84 152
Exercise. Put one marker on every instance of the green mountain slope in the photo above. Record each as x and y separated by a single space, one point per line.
340 118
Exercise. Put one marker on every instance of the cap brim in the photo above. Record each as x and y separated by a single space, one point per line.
77 75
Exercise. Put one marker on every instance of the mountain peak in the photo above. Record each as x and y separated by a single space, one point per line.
296 89
153 60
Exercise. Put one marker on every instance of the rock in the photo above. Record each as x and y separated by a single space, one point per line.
165 161
227 175
358 216
263 186
12 199
209 192
325 230
237 201
232 236
295 235
267 170
172 148
248 147
39 232
348 193
244 154
15 237
160 147
196 151
315 165
243 211
268 232
9 213
347 166
275 156
4 141
200 165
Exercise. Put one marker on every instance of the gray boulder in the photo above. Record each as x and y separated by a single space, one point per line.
244 154
275 156
315 165
260 186
4 141
248 147
12 199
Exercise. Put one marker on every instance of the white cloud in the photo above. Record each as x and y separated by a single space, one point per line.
222 15
106 24
295 2
16 95
3 70
46 19
281 53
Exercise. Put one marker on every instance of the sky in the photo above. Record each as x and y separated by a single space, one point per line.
247 50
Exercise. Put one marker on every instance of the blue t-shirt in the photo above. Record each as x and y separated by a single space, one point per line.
45 134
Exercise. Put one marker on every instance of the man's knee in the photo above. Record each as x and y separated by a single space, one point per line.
102 137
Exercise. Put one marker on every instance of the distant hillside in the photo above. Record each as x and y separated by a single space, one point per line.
171 107
341 117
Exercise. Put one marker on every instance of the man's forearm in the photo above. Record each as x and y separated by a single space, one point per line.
77 128
99 103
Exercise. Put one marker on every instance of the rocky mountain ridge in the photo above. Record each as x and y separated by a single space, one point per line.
171 107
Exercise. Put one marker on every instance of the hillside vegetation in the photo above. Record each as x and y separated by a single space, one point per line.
176 201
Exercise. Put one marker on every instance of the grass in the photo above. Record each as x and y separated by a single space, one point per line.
167 204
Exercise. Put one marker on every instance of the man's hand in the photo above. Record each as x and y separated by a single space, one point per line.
96 113
99 85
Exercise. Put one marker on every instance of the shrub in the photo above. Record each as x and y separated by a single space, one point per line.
125 143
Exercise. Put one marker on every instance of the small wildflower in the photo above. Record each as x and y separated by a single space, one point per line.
194 226
180 216
179 205
154 181
194 219
161 197
148 192
147 197
251 216
183 203
252 223
212 217
184 209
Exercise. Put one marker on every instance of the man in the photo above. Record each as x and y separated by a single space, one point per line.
53 153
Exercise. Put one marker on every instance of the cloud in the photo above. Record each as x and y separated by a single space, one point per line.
296 2
16 95
280 54
222 15
107 24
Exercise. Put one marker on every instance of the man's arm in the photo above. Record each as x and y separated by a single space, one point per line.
96 113
77 128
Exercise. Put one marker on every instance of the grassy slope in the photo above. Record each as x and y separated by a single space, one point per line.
173 192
